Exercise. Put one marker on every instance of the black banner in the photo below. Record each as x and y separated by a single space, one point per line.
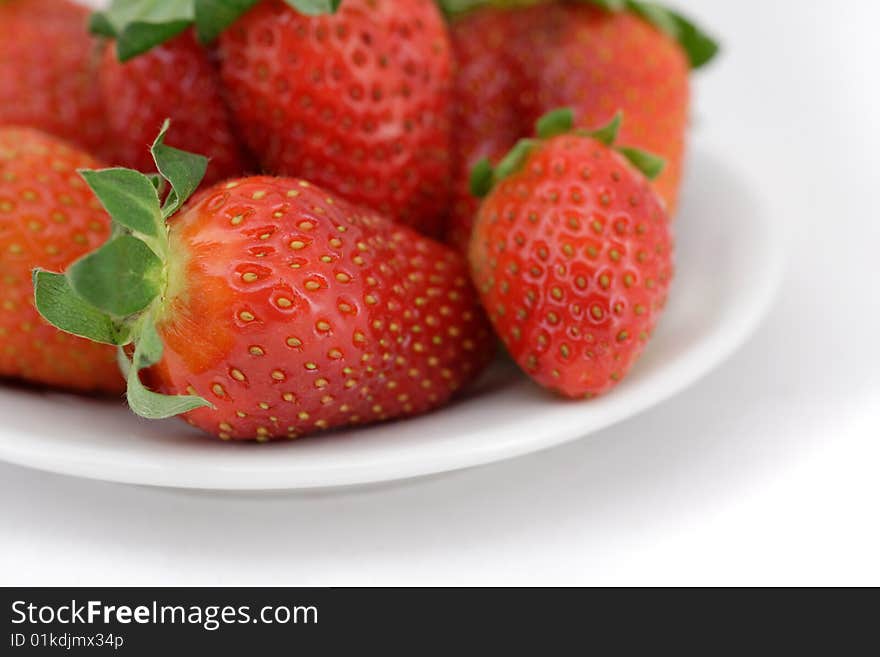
413 621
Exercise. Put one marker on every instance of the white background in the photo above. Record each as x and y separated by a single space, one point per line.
766 472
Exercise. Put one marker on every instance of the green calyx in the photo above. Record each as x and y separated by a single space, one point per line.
115 295
484 176
140 25
697 44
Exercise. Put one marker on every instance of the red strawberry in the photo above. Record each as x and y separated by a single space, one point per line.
358 101
629 66
572 254
581 55
48 218
48 65
283 307
176 80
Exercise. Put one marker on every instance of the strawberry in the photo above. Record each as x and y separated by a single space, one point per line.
353 95
572 255
269 308
176 80
615 74
358 101
588 55
48 66
48 218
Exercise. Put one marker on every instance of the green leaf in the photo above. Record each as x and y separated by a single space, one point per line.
158 182
139 25
140 37
699 47
121 278
514 160
214 16
185 171
123 362
607 134
129 197
650 165
149 345
100 25
153 406
145 402
122 13
63 308
315 7
556 122
482 178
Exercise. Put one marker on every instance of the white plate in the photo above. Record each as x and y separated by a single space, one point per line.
730 260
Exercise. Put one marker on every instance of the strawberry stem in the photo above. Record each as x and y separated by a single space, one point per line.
115 294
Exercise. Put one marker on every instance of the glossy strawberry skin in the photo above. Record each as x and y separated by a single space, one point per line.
48 219
572 256
177 80
358 102
48 71
300 312
517 64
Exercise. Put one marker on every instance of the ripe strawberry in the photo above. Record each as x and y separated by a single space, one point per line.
572 255
175 80
275 307
48 64
358 101
630 66
577 54
48 218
